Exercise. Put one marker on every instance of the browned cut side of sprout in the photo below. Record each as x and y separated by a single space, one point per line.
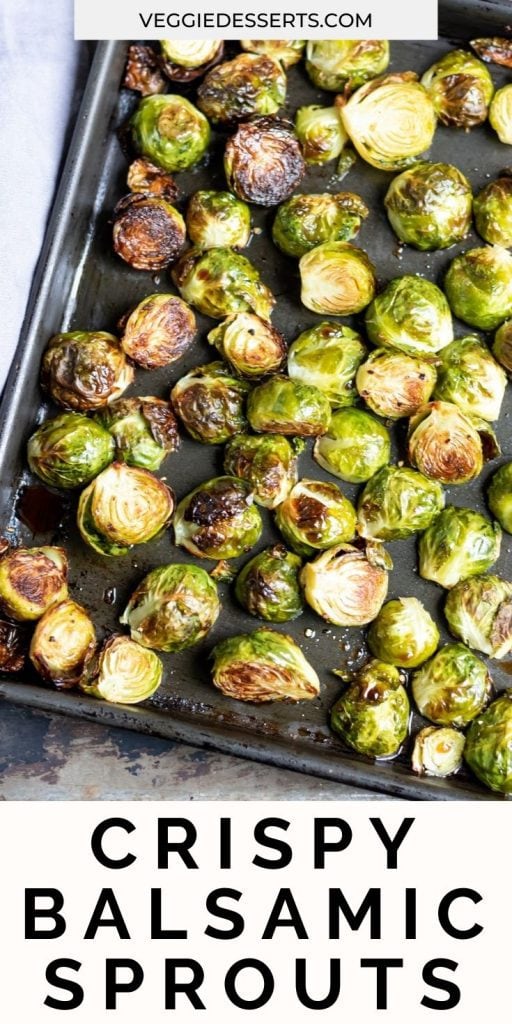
263 161
158 331
142 72
148 232
495 50
146 179
13 647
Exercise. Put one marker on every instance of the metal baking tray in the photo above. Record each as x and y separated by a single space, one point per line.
81 284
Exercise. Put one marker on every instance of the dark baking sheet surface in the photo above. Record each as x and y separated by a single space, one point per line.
81 284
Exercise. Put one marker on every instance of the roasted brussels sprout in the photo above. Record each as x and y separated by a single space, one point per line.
144 430
493 211
398 502
69 450
355 446
500 114
372 715
144 178
262 666
210 402
123 506
394 384
158 331
437 752
63 643
286 51
122 672
31 581
403 634
459 543
220 281
218 219
268 463
148 232
305 221
83 370
500 496
184 60
250 84
218 519
334 63
173 607
251 345
469 377
479 612
478 286
495 50
328 355
315 516
488 750
346 585
460 88
337 278
444 444
268 585
143 73
429 205
412 315
263 161
13 647
390 121
453 687
320 131
502 347
170 132
288 406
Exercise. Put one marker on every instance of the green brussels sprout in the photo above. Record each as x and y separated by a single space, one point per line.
469 377
144 430
123 506
500 496
334 63
321 132
148 232
69 450
210 402
459 543
479 612
336 278
355 446
158 331
394 384
444 444
492 208
502 347
31 581
488 750
268 585
412 315
478 286
500 114
347 586
63 643
83 370
403 634
268 463
372 715
122 672
218 219
305 221
398 502
250 84
437 752
184 60
315 516
173 608
220 281
263 666
429 205
251 345
170 132
494 50
286 51
390 121
218 519
461 89
453 687
263 161
288 406
328 355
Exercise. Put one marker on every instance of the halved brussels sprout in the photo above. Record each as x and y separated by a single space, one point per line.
148 231
444 444
143 72
13 647
492 208
398 502
263 666
263 161
412 315
429 205
337 278
478 285
218 519
267 463
468 376
268 585
502 347
334 63
123 506
158 331
220 281
488 750
83 370
453 687
479 612
355 446
459 543
250 84
210 402
461 89
390 121
146 179
305 221
321 133
494 50
184 60
346 585
328 355
372 715
394 384
122 672
32 580
63 643
144 430
437 752
170 132
286 51
173 608
403 634
251 345
69 450
288 406
316 516
500 114
500 496
218 219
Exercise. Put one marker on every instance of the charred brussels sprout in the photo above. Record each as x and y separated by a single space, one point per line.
31 581
500 496
170 132
412 315
394 384
444 444
287 406
143 73
488 750
347 586
220 281
355 446
437 752
328 356
218 219
158 331
372 715
267 463
286 51
403 634
493 211
13 647
173 608
334 63
500 114
398 502
429 206
321 132
148 232
469 377
144 430
250 84
263 161
184 60
502 347
494 50
478 286
69 450
305 221
461 89
210 403
336 278
83 370
122 672
459 543
218 519
63 643
315 516
123 506
144 178
263 666
268 586
453 687
390 121
252 346
479 612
